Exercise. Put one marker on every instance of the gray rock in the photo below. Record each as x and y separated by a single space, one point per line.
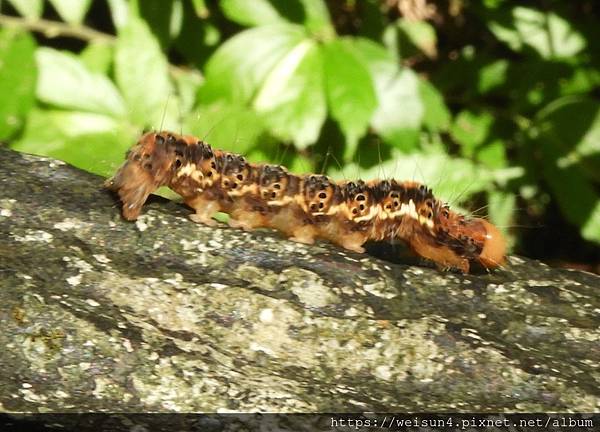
100 314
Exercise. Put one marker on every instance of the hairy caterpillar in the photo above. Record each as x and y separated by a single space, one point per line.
303 207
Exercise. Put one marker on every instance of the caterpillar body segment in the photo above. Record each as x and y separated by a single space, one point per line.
303 207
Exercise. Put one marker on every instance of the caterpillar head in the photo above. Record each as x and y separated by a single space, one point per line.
493 243
480 240
147 167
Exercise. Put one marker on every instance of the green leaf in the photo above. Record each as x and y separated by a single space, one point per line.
503 176
163 17
501 209
436 116
200 8
119 11
572 124
97 57
421 34
239 67
533 83
71 11
317 20
550 35
350 93
580 80
471 129
492 154
493 4
254 13
93 142
141 71
400 111
258 155
492 76
569 133
17 79
31 9
292 99
65 82
575 195
312 14
299 164
226 126
269 150
176 22
187 84
198 38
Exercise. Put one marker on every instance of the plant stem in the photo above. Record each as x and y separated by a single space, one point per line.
52 29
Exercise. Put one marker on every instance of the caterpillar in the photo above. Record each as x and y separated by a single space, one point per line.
303 207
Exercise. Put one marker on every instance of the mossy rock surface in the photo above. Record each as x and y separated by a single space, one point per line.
100 314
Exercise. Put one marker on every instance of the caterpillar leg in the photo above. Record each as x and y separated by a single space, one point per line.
304 234
240 224
203 219
205 210
354 243
443 257
344 235
246 218
245 224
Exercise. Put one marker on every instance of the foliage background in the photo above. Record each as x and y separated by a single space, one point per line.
493 103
